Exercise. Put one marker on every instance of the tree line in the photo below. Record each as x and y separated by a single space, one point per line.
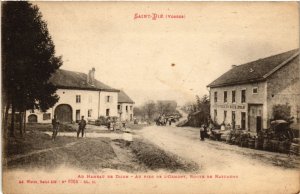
28 61
151 110
200 104
198 111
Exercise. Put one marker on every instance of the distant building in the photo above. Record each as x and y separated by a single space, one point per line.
125 106
80 95
245 95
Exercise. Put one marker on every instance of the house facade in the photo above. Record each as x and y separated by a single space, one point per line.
245 96
125 106
79 95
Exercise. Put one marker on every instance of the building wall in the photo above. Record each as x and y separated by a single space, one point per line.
89 100
39 115
284 88
251 98
112 105
125 114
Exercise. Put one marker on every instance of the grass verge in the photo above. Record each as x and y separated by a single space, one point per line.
155 158
38 151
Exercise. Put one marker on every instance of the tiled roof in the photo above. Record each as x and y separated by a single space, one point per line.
124 98
75 80
254 71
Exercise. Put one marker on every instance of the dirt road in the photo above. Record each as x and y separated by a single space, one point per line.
254 171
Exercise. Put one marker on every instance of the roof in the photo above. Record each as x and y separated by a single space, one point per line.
76 80
124 98
254 71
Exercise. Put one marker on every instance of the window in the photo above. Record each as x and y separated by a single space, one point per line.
255 90
243 96
126 108
46 116
225 96
78 98
119 107
225 115
233 96
108 99
107 112
90 113
216 96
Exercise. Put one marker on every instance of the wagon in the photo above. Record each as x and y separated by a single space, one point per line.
282 129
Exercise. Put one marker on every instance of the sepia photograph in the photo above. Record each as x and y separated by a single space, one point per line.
150 97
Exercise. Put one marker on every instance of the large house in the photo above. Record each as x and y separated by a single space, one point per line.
79 94
245 95
125 106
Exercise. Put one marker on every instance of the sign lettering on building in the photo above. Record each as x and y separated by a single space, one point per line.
230 106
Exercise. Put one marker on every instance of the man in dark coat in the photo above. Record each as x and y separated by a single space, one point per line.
55 124
81 127
202 132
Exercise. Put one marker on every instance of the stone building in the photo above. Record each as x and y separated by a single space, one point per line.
245 96
125 106
79 94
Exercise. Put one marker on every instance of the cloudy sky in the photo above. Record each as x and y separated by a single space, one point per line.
167 58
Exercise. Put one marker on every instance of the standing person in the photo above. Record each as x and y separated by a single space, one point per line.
108 123
82 124
55 125
202 130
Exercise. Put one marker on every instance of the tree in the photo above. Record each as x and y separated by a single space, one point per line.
282 111
166 107
149 109
201 108
28 60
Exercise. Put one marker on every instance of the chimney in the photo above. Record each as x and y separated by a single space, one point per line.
91 76
233 66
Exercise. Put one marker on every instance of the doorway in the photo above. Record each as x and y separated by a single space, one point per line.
243 120
32 118
77 115
63 113
255 117
233 119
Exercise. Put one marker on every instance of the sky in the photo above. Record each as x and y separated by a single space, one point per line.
167 58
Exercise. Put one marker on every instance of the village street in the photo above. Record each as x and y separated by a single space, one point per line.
229 166
252 167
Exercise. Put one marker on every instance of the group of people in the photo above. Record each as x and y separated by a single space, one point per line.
115 124
56 123
163 121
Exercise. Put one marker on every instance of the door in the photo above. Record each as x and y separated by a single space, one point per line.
255 118
243 120
77 115
63 113
233 119
107 112
32 119
258 124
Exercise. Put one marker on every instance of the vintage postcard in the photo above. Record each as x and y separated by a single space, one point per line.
150 97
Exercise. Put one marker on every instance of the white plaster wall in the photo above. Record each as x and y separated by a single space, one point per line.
125 116
89 100
221 106
112 105
39 115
